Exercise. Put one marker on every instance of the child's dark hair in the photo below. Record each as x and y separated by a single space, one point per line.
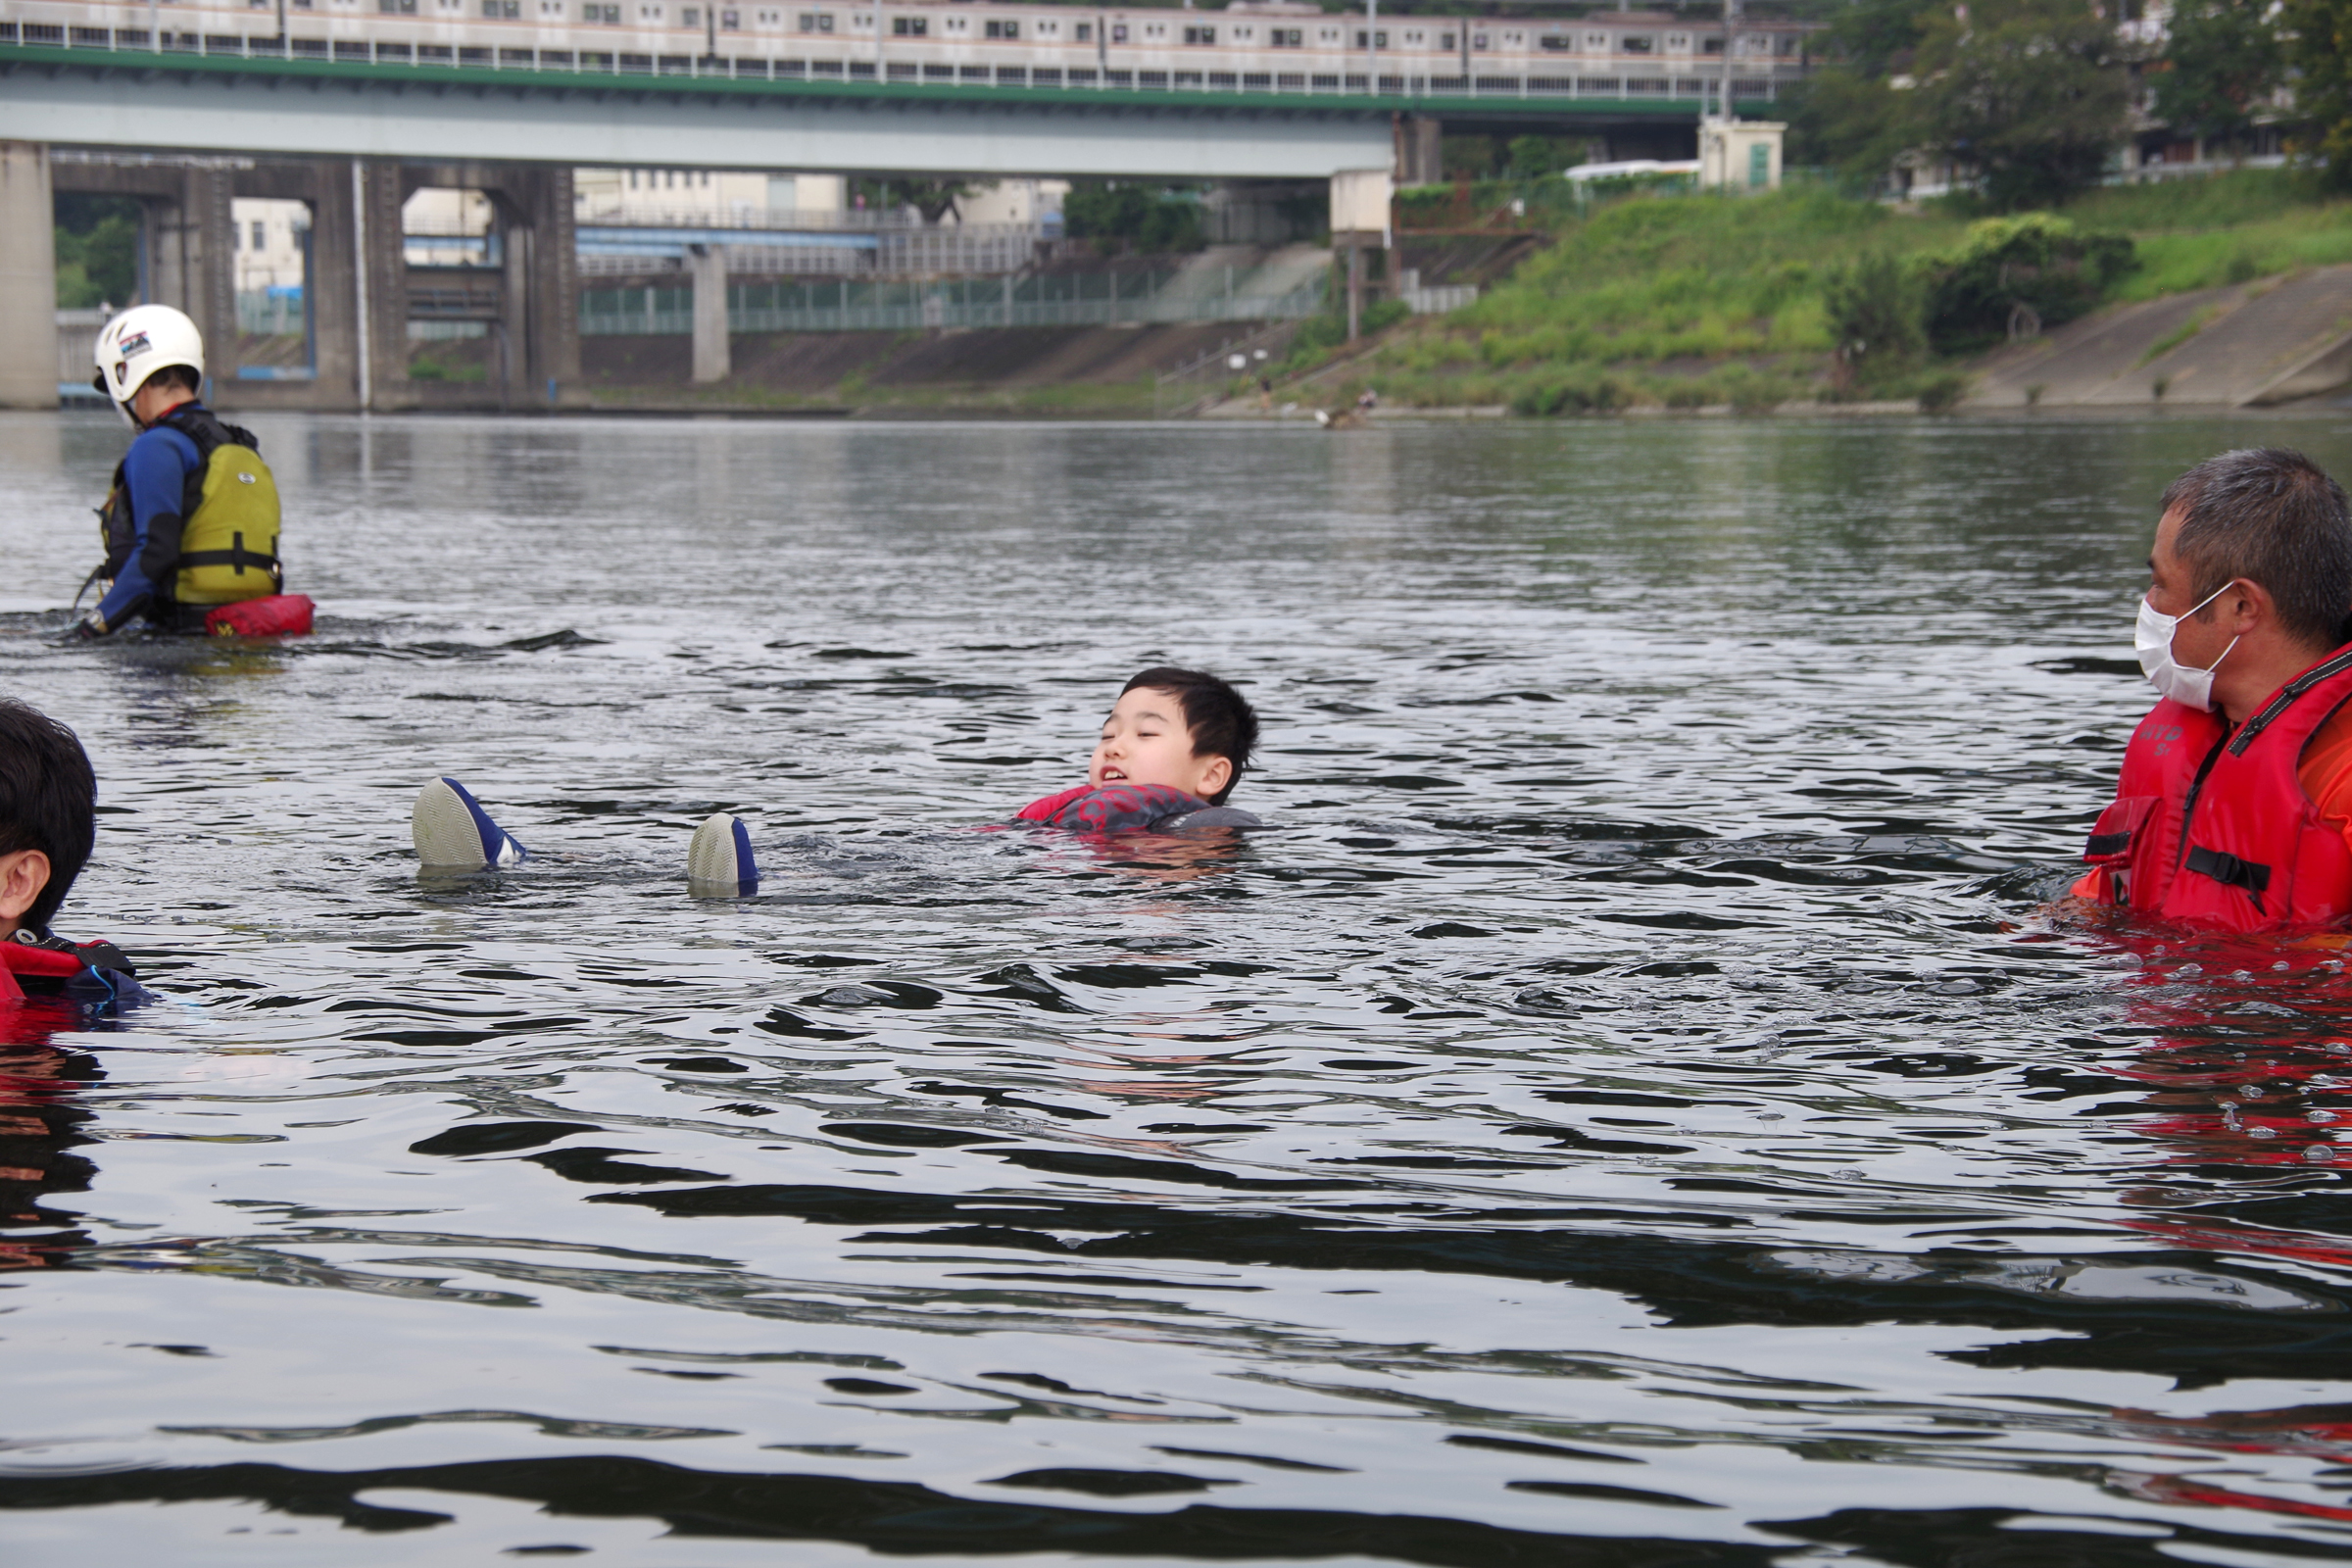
1220 721
48 800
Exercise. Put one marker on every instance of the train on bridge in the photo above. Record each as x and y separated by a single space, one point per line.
1281 47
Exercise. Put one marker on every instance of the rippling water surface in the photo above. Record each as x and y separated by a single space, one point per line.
1631 1110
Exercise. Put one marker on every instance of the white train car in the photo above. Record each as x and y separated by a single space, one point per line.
1278 47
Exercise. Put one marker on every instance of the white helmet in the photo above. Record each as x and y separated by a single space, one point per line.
142 340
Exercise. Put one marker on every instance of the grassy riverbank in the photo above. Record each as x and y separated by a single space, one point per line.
1683 301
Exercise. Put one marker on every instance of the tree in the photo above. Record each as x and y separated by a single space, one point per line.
1856 124
97 243
2321 51
1876 319
1879 37
2032 94
2221 60
1121 215
934 197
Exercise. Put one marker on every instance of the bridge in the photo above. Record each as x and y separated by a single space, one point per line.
351 112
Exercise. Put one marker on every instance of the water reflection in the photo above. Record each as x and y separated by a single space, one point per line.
42 1127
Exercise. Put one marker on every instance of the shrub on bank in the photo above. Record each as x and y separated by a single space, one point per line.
2015 276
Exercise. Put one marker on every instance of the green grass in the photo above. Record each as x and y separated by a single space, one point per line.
1682 300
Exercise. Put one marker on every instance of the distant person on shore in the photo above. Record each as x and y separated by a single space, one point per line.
1175 744
2234 806
48 826
190 523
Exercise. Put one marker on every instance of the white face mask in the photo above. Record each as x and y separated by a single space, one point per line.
2152 640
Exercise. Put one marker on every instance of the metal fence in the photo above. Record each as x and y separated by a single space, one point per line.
1084 299
270 313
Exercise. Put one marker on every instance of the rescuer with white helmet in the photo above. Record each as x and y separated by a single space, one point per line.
191 522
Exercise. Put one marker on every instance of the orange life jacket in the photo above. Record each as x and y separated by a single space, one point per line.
2211 827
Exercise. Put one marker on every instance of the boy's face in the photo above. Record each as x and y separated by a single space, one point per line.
1144 741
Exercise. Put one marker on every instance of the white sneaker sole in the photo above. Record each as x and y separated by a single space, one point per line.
453 833
718 862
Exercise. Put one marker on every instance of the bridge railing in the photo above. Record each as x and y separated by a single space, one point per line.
1759 80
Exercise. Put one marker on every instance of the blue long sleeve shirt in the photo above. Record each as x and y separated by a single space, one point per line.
156 473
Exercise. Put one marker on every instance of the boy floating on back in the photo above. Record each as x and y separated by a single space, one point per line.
1175 744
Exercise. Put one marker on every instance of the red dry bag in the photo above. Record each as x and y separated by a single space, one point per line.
277 615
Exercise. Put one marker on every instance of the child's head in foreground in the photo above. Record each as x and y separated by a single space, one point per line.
48 819
1179 727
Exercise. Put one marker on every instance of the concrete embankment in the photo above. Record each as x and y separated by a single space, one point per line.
2241 345
1095 368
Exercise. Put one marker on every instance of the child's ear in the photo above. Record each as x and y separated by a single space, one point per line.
23 877
1216 775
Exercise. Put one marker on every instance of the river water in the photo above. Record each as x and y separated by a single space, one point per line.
1632 1108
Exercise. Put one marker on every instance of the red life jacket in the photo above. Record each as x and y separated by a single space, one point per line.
54 960
2211 827
1111 807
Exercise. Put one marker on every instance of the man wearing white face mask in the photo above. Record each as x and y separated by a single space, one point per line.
2233 810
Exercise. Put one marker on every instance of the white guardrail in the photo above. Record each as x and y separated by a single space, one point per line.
1067 49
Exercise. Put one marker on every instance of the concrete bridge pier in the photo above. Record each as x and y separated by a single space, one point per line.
29 368
709 267
536 320
1420 159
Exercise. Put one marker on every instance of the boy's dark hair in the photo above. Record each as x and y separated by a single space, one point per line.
184 377
1221 723
48 800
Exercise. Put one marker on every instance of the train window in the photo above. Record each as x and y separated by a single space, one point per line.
1199 36
1638 43
693 17
1285 38
815 22
1380 39
605 14
1445 41
501 10
731 20
1004 29
1478 40
909 27
1086 32
1118 32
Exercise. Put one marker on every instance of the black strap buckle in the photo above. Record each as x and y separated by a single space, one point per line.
2101 844
2230 871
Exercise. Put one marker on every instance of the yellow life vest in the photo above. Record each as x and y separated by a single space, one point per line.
228 536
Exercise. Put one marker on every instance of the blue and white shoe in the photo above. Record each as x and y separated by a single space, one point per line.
719 859
453 833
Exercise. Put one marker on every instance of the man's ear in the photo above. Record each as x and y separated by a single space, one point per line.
22 876
1216 775
2245 605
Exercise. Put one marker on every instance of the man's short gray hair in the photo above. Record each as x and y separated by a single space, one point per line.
2275 517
